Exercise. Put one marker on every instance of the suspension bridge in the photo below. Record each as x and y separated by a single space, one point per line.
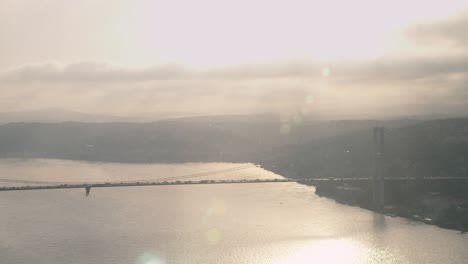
176 180
374 185
183 180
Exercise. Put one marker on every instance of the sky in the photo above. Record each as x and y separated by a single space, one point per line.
325 58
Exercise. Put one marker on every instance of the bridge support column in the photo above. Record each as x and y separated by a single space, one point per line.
88 190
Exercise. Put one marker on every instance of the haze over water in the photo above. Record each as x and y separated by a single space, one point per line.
245 223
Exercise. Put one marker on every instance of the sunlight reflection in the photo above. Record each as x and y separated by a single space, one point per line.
326 251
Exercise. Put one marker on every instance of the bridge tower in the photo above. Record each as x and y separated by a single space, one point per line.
378 187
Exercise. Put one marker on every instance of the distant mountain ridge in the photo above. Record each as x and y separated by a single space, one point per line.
57 115
299 149
214 138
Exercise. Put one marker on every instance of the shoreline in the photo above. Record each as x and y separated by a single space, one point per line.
434 209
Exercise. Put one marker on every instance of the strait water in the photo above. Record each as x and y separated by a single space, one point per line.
244 223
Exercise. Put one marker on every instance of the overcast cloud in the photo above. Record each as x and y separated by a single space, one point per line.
450 31
378 85
409 83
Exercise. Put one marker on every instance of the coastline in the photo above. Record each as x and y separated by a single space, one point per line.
431 208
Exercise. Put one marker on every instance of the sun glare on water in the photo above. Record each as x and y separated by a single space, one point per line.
332 251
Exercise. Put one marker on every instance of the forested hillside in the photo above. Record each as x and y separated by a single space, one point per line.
308 148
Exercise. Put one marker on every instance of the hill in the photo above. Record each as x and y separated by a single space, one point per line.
431 148
216 138
309 148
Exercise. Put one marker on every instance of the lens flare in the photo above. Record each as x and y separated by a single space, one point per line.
326 72
213 236
150 258
285 129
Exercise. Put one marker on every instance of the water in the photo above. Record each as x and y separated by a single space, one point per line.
255 223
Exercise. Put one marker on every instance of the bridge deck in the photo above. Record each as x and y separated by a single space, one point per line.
201 182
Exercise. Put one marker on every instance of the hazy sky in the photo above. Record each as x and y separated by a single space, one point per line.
318 57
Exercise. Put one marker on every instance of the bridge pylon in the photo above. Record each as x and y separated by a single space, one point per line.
378 186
